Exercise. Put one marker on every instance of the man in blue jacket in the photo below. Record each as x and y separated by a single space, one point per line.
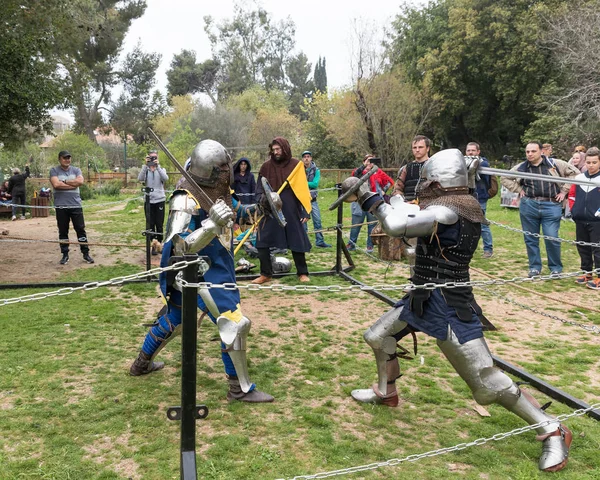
313 176
482 188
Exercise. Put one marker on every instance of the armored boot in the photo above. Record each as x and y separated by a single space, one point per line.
389 397
555 449
254 396
143 365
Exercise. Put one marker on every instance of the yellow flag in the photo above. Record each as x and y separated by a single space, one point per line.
299 184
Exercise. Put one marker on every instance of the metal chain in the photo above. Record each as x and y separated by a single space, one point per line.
401 287
94 285
47 207
589 328
545 237
443 451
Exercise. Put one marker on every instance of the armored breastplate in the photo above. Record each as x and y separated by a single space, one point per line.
445 257
413 173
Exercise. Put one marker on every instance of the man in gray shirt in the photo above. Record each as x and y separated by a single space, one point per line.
154 177
66 180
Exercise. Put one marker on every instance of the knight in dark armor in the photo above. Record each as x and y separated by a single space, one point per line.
447 223
195 227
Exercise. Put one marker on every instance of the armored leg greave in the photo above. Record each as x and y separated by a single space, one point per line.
165 329
380 338
473 362
234 335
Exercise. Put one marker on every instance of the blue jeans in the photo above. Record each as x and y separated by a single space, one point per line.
316 218
486 233
536 213
354 231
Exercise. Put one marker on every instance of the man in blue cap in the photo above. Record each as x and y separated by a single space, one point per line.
313 176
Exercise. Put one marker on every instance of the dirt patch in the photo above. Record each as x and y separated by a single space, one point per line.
37 261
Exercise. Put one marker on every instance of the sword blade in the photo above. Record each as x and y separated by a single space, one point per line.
536 176
194 187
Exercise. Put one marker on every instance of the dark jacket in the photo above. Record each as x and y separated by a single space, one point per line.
244 183
585 200
484 183
16 183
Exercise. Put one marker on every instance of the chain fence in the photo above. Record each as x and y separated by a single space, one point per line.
442 451
545 237
106 283
590 328
83 205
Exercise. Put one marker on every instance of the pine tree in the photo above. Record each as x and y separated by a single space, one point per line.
320 76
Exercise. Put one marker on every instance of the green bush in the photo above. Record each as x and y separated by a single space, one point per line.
111 189
86 192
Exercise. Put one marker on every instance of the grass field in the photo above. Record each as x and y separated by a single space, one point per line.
69 409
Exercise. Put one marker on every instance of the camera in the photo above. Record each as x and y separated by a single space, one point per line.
152 161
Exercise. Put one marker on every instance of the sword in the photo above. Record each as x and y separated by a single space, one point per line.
195 189
536 176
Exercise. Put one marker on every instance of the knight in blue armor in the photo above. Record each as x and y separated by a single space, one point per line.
194 227
447 223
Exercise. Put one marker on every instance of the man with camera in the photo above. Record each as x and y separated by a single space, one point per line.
153 176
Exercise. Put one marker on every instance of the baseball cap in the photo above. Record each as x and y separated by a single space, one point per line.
63 153
306 152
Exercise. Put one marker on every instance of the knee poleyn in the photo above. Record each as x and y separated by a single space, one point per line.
386 344
495 387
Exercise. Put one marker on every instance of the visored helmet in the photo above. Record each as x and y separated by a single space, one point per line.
448 168
208 160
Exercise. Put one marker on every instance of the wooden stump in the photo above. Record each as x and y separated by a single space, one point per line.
389 248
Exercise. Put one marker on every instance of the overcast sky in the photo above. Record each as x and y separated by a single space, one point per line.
322 28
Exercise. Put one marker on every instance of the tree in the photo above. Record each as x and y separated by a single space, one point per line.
89 52
570 107
186 76
256 99
250 49
85 151
320 76
136 106
29 82
481 61
319 136
301 86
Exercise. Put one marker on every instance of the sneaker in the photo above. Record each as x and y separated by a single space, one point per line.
555 272
22 217
533 273
369 250
351 247
323 245
14 218
65 259
488 254
583 279
594 284
87 258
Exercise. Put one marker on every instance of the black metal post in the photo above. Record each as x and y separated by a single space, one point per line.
188 372
339 237
147 191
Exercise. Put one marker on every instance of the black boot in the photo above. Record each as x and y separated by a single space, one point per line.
255 396
143 365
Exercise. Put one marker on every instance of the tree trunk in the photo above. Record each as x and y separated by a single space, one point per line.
361 105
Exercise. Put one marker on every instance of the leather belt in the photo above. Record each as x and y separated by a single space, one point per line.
543 199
